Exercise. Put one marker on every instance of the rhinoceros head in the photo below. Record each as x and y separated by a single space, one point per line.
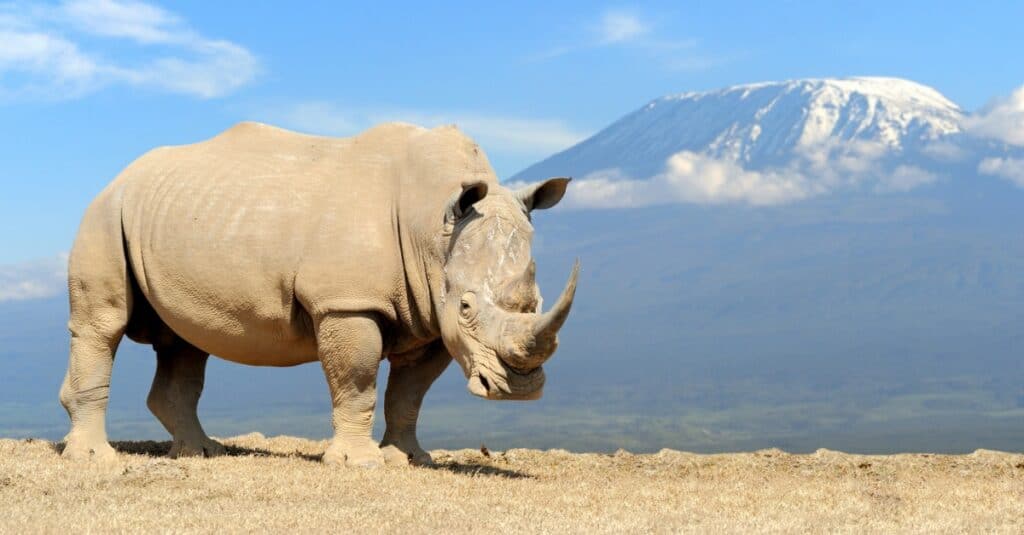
492 321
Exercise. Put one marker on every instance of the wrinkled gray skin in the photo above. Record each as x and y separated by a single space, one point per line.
271 248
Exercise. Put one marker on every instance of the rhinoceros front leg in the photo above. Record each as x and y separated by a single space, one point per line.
407 384
350 348
174 398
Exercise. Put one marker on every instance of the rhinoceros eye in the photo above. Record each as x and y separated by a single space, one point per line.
467 305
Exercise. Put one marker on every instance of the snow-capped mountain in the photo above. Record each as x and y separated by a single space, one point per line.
772 142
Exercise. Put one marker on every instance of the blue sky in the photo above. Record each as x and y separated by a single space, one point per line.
87 86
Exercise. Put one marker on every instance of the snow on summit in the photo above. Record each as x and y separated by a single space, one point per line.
886 109
763 143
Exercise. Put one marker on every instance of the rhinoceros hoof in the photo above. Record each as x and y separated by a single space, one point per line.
421 459
358 456
97 452
394 456
196 448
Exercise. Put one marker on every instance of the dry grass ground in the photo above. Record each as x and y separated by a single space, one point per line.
278 485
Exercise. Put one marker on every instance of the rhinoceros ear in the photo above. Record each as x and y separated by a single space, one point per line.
543 194
460 203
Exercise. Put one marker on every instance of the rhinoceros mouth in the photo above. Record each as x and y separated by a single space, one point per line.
508 384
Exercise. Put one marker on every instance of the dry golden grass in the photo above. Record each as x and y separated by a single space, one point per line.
277 484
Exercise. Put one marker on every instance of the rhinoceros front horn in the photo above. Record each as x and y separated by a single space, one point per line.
551 321
534 338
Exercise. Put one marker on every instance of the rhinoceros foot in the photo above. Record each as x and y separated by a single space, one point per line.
395 455
362 453
201 447
81 449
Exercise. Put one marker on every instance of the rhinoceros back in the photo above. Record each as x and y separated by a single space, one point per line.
217 233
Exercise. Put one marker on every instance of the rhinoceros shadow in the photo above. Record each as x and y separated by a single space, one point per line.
473 469
153 448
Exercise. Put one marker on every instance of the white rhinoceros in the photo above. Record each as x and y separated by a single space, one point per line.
272 248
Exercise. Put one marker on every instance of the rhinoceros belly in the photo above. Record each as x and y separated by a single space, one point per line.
237 315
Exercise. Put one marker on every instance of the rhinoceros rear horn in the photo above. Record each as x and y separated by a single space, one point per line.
533 338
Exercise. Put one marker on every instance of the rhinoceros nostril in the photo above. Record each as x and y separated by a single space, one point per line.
486 383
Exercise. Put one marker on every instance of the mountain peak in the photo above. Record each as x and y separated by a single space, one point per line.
886 88
764 125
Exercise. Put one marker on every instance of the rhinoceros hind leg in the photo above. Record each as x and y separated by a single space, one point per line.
407 385
100 294
85 393
174 398
350 348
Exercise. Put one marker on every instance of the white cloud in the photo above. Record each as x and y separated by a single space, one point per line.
690 177
56 62
1002 120
219 69
41 51
609 189
626 29
700 179
137 21
904 178
35 279
1011 169
509 134
944 151
620 27
834 161
518 135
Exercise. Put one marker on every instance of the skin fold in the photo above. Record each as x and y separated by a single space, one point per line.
271 248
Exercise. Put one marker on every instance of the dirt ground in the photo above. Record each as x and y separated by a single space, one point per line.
278 484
